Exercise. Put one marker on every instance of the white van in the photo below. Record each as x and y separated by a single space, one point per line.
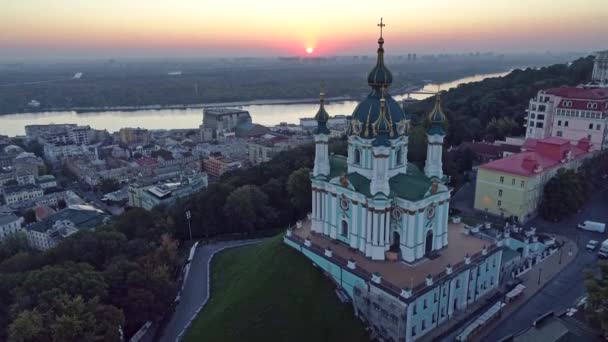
603 253
593 226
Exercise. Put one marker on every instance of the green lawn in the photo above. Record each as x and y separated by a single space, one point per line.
270 292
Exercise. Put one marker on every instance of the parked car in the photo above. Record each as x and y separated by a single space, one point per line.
603 253
592 226
591 245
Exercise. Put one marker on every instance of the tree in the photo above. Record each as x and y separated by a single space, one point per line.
299 189
563 195
108 185
247 209
14 243
61 204
29 216
597 299
28 326
68 318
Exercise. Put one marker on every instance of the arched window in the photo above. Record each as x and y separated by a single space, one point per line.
399 155
344 229
357 156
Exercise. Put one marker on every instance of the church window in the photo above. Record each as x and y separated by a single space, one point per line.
457 283
435 297
522 183
566 123
344 230
590 126
598 127
559 122
499 203
559 133
414 309
423 325
500 193
433 318
357 156
414 330
424 305
513 181
502 179
399 155
445 291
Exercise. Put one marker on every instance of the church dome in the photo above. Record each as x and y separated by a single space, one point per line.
380 76
368 110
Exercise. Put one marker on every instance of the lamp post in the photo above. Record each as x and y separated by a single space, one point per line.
540 270
188 217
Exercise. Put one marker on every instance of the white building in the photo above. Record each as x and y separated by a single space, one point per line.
571 113
19 193
9 224
600 68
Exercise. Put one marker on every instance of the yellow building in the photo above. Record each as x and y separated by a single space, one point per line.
513 186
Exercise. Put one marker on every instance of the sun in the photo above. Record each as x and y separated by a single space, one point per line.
309 50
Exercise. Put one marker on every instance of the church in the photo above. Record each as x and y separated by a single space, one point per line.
379 224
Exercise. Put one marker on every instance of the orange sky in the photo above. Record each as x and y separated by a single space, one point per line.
270 27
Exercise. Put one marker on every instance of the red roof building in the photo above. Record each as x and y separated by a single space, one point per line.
573 113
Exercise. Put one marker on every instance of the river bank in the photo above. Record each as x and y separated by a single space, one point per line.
265 112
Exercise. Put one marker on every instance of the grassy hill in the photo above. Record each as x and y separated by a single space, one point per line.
269 292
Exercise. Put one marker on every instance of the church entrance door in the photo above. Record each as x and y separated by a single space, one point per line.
428 247
396 241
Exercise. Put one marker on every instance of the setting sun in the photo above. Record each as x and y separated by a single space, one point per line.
309 50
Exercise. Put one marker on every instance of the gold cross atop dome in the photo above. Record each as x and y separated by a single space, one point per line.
381 25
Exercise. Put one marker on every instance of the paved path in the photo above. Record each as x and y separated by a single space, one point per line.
196 289
563 290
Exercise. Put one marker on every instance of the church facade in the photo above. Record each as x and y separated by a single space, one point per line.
373 199
379 224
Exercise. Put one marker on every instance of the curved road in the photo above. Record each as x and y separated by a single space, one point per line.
196 288
562 291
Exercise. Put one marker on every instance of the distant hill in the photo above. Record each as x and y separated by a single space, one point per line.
269 292
471 108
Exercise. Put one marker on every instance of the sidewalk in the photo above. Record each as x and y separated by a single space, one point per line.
535 280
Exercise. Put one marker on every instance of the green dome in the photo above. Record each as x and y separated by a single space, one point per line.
380 76
368 111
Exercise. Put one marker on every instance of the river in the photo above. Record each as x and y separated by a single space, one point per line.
265 114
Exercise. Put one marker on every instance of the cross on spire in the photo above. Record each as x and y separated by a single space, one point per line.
381 25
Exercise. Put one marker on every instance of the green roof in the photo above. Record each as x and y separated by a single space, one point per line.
411 186
337 165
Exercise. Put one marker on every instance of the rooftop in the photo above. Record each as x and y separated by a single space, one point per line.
82 219
579 93
410 186
224 111
19 188
7 218
540 155
401 274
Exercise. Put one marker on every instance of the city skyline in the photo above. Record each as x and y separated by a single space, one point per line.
68 28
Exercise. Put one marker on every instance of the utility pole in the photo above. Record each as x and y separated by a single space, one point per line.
188 217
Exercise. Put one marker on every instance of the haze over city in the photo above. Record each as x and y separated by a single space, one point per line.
190 28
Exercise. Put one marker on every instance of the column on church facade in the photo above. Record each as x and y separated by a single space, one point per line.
387 227
313 223
421 234
374 228
354 232
409 252
370 232
363 235
440 229
382 229
446 212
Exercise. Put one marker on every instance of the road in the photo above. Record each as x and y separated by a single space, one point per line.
195 290
563 290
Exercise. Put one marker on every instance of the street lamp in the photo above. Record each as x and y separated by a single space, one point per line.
188 217
540 270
